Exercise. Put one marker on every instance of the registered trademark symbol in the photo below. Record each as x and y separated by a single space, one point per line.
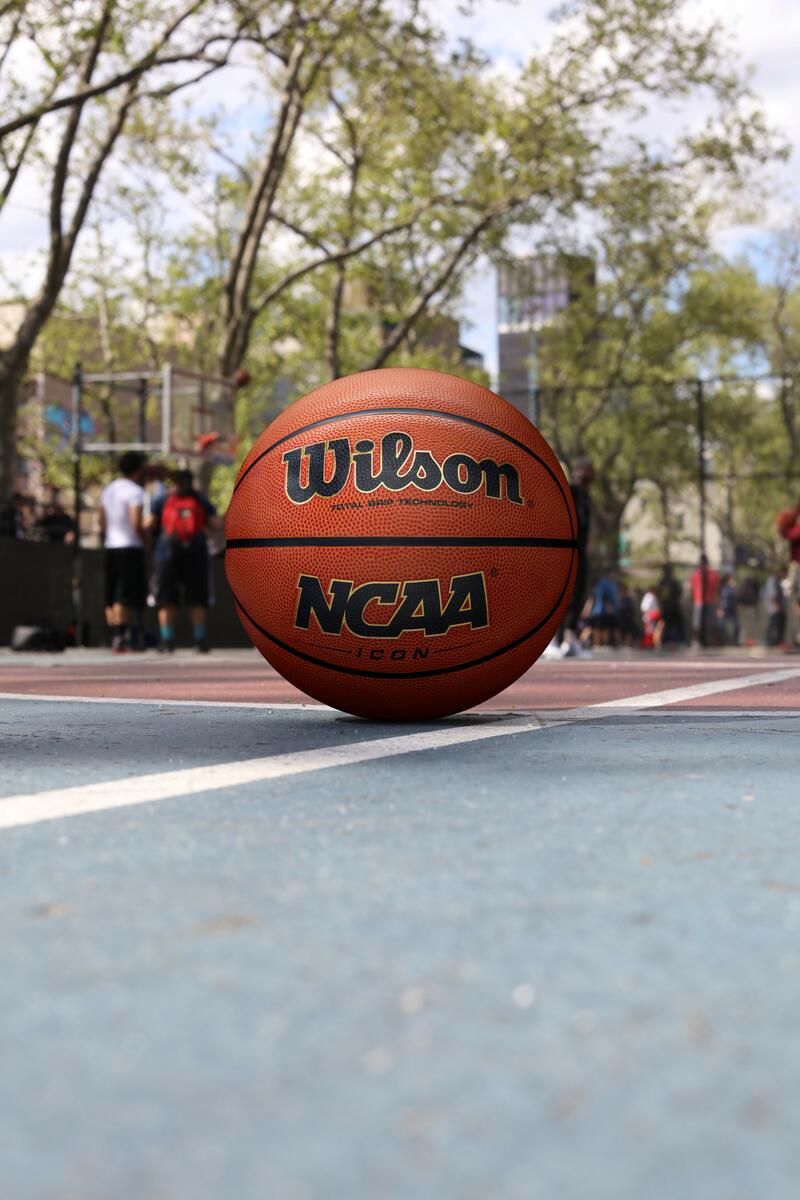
494 572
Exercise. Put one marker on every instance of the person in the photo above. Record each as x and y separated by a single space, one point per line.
775 604
121 520
669 593
705 598
728 611
14 517
56 525
791 531
652 619
180 520
582 477
603 613
566 643
627 622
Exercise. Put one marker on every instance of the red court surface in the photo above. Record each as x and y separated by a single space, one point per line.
243 677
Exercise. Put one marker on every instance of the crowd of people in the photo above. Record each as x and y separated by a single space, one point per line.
706 609
666 614
614 612
171 520
175 523
24 518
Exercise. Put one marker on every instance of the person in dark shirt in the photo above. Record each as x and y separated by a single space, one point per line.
582 476
775 603
13 518
669 592
56 525
728 611
627 617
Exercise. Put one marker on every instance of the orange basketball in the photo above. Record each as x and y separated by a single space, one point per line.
401 544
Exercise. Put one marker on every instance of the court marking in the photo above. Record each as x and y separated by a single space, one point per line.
696 691
36 807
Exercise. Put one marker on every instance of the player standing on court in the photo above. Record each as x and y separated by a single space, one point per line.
121 511
582 476
792 534
181 560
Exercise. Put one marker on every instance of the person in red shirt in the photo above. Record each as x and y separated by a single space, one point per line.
791 531
180 521
792 535
705 598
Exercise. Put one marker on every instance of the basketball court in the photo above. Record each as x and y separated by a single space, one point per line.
269 949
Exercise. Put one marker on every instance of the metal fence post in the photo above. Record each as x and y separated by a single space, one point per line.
77 451
701 481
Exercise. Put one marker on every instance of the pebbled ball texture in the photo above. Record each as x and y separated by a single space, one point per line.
417 587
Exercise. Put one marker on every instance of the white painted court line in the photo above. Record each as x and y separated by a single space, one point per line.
30 809
144 789
696 691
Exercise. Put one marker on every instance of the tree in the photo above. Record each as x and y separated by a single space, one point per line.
664 309
385 147
383 161
72 75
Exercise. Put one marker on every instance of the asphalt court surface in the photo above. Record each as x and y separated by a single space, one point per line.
545 949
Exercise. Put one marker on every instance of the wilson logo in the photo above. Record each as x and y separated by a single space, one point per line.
323 469
387 610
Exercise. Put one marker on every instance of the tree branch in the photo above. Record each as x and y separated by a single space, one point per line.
323 261
440 281
121 78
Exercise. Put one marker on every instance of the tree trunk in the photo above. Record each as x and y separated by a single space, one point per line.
604 540
14 362
10 386
666 522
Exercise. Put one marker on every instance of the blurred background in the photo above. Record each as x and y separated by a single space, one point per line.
209 208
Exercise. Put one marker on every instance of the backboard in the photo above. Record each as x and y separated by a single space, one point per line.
174 413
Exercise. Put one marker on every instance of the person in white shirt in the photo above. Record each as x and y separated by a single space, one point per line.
651 618
121 514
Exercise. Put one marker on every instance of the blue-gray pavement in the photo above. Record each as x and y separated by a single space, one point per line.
563 964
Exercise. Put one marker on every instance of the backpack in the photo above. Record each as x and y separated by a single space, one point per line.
183 519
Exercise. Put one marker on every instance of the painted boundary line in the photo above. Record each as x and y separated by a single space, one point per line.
696 691
166 785
33 808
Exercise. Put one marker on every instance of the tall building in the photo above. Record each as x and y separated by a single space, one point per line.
531 291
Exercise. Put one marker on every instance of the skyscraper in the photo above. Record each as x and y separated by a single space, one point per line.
531 291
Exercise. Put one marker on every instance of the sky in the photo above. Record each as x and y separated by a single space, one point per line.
764 33
766 36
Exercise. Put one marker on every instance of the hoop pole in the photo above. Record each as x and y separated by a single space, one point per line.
142 395
166 407
701 482
77 556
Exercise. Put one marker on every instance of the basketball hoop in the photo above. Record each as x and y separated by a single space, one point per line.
206 440
215 448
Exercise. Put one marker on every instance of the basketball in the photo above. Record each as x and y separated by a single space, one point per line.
401 544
